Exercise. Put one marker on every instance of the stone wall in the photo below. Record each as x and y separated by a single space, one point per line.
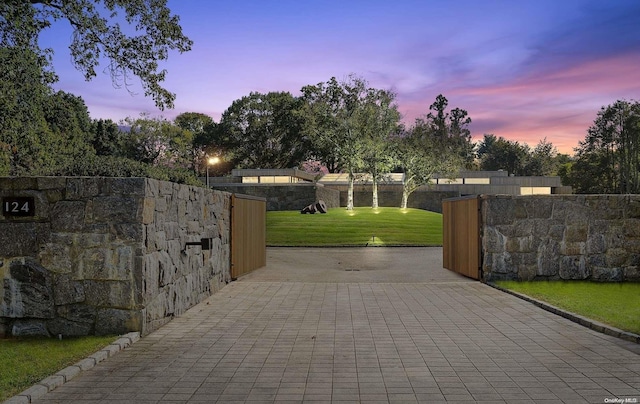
297 196
419 199
594 237
108 255
286 196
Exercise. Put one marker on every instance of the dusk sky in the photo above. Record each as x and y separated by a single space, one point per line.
524 69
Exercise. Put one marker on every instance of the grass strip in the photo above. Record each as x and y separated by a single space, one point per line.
615 304
361 226
26 361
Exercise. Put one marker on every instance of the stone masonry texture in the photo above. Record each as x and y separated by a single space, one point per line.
297 196
390 197
108 255
568 237
286 196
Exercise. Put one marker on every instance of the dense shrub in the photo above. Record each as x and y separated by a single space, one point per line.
110 166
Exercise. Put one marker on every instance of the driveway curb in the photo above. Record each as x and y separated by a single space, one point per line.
44 386
583 321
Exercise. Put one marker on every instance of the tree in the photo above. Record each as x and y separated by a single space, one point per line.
542 160
379 119
451 128
334 122
106 138
438 142
39 129
5 159
200 127
158 142
324 110
438 121
263 131
609 157
97 34
502 154
194 122
421 154
24 90
69 125
587 174
498 153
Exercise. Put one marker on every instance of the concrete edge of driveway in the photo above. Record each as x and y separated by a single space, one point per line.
58 379
583 321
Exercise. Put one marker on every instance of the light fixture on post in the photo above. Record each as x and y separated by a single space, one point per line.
210 162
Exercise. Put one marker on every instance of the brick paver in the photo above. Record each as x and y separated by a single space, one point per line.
260 340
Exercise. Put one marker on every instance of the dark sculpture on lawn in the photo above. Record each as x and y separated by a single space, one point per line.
319 206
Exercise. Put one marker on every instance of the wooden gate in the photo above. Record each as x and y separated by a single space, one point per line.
461 236
248 234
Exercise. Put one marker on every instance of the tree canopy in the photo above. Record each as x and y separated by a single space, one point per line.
263 131
450 128
107 138
380 121
346 122
608 159
43 132
157 141
40 130
200 128
438 142
136 50
544 159
24 94
498 153
327 114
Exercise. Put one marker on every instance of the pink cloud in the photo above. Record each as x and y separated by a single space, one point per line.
560 104
603 76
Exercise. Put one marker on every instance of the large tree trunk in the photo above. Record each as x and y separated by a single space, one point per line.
374 205
407 189
350 192
405 198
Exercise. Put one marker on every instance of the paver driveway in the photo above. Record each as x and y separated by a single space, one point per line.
363 325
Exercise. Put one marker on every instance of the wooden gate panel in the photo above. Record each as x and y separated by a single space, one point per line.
461 236
248 234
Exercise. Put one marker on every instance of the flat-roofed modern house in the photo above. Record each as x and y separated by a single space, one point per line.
284 189
267 176
499 182
292 189
465 182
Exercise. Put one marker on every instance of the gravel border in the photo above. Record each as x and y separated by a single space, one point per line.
44 386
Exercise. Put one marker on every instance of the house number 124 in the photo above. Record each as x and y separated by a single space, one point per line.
18 207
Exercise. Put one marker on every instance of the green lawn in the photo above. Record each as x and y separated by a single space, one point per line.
380 227
615 304
26 361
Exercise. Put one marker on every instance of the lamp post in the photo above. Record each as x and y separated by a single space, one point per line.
211 161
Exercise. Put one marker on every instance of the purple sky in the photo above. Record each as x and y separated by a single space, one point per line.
524 70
